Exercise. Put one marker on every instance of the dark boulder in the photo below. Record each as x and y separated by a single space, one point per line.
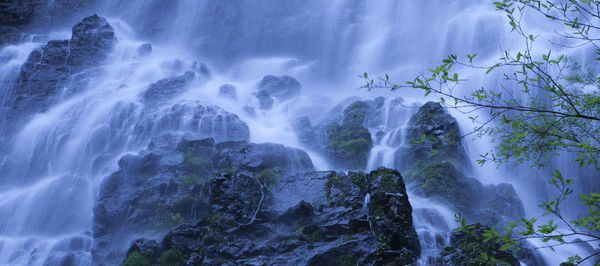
91 39
228 91
432 136
257 157
265 102
282 88
167 88
149 248
144 50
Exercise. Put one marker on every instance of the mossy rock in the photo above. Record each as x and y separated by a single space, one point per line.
355 113
443 181
349 145
433 136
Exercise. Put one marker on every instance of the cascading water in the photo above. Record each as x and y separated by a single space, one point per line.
54 164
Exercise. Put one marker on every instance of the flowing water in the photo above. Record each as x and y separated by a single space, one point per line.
54 164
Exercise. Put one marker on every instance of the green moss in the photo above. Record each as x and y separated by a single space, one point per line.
355 112
358 179
338 183
136 259
388 182
198 165
350 145
172 257
269 177
192 179
439 179
346 260
313 237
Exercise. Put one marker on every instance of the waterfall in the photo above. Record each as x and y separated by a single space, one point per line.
53 163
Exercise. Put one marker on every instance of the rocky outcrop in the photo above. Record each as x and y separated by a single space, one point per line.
169 183
51 67
335 226
203 120
435 162
433 136
167 88
281 88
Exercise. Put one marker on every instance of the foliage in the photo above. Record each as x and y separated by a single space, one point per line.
546 104
198 165
172 257
136 259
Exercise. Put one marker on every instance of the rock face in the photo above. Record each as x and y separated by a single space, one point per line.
435 161
49 68
16 12
168 184
248 225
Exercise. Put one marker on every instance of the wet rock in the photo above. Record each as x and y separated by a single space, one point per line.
206 121
92 38
465 249
349 146
168 88
51 67
249 110
328 234
144 50
16 12
149 248
228 91
171 182
301 212
9 35
433 136
282 88
265 101
355 113
257 157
